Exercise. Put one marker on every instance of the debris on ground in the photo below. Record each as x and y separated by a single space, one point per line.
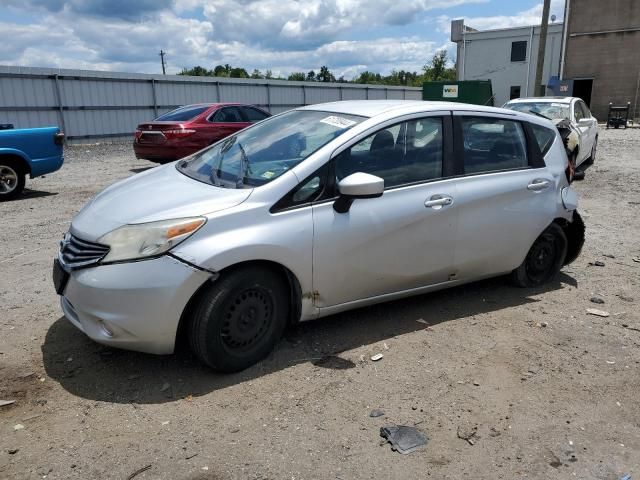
598 313
403 439
18 426
636 259
597 263
4 403
376 413
423 321
139 471
13 451
377 356
596 299
469 433
165 387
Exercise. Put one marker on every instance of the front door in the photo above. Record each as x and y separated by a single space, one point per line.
401 240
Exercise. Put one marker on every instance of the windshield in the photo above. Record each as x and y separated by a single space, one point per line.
551 110
262 153
182 114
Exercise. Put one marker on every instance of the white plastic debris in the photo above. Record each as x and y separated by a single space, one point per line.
377 356
598 313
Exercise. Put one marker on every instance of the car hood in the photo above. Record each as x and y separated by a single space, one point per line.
159 193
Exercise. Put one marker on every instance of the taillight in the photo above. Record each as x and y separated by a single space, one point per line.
58 138
178 133
138 133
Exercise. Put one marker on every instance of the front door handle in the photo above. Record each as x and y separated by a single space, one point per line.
438 201
539 184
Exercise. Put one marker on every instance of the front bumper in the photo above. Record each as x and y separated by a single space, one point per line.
135 305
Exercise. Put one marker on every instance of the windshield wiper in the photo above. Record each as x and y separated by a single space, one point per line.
540 115
243 167
216 173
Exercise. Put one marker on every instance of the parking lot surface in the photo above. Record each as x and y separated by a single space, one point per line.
505 382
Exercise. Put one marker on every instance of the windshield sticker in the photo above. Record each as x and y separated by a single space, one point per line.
338 122
268 174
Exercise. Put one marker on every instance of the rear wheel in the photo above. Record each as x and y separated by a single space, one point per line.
12 179
544 260
239 319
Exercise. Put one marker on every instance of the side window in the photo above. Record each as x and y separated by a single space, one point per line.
544 136
492 144
309 190
518 51
585 110
577 111
405 153
253 114
227 115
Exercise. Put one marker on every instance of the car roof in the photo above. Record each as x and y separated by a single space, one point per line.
543 100
372 108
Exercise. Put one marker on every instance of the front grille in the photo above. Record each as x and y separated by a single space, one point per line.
75 253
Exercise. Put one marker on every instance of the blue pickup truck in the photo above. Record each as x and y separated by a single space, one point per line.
27 151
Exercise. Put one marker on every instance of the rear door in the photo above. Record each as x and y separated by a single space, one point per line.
224 122
505 194
401 240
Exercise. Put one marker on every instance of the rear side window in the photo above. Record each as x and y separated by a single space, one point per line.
253 114
492 144
544 137
227 115
182 114
577 111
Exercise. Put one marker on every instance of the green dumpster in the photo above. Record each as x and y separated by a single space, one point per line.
477 92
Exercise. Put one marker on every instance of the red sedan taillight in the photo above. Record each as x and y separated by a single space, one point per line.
138 133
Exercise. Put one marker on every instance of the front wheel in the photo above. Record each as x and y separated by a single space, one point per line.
239 320
12 180
544 260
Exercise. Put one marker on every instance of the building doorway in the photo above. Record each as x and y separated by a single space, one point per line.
582 89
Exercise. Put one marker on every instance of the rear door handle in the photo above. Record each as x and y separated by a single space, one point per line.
538 184
438 201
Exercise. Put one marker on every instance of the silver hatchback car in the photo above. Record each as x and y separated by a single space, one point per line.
315 211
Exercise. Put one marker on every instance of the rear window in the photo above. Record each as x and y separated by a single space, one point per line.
544 137
182 114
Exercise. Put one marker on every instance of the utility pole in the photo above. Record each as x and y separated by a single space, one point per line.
542 46
162 54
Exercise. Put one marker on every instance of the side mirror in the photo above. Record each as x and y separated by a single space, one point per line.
357 185
584 121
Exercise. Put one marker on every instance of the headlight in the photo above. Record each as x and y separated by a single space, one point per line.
148 239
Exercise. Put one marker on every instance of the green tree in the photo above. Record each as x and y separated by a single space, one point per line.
296 77
311 76
256 73
222 70
196 71
238 73
437 70
268 75
325 75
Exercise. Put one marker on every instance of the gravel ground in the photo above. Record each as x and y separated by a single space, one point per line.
549 391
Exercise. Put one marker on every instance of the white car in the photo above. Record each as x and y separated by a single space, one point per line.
312 212
568 112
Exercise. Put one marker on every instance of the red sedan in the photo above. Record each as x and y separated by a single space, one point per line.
188 129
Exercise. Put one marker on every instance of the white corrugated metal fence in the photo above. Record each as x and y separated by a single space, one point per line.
90 104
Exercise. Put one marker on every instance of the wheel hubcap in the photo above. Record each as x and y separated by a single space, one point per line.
246 319
542 257
8 179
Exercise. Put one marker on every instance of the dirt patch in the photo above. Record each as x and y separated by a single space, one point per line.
549 391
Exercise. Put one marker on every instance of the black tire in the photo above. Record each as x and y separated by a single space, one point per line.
544 259
12 178
239 319
592 156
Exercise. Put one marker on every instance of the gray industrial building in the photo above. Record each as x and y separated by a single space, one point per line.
601 61
507 57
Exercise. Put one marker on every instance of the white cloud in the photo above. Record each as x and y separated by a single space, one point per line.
532 16
280 35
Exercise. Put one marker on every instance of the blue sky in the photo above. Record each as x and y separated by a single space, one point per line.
349 36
